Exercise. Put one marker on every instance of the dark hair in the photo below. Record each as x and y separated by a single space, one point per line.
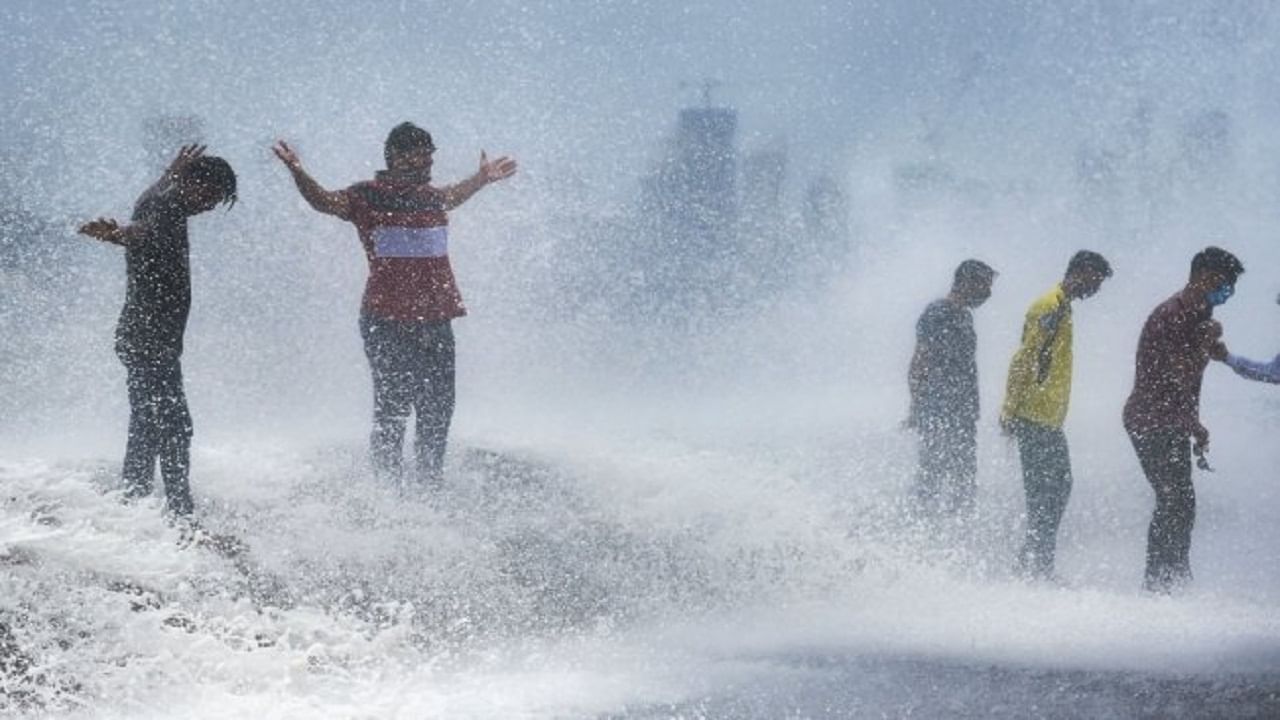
971 272
215 172
1090 262
1215 259
406 136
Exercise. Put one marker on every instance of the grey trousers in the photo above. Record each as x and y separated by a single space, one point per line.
413 372
1046 478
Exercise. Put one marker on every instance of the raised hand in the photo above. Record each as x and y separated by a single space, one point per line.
104 229
186 155
495 170
286 155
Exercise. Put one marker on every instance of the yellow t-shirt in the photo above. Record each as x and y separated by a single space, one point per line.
1039 387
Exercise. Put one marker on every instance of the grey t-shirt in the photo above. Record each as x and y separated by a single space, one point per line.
948 390
157 263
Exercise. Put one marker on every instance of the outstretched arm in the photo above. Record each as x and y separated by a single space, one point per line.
1254 370
325 201
490 171
107 230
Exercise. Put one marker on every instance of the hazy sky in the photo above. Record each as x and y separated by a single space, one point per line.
583 88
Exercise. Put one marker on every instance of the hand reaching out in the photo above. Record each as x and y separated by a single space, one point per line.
1218 351
495 170
287 155
104 229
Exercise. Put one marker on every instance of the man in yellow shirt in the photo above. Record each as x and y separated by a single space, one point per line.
1035 405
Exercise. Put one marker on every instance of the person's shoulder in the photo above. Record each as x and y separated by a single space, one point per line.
428 196
360 195
360 188
1172 309
937 307
942 319
935 312
158 208
1172 304
1046 303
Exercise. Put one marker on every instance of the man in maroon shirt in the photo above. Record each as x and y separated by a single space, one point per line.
411 296
1162 414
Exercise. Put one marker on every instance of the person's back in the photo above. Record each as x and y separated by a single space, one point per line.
149 333
1039 385
1168 368
949 389
943 382
157 266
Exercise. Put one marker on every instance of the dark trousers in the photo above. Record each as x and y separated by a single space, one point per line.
1165 456
159 428
413 371
1046 478
948 465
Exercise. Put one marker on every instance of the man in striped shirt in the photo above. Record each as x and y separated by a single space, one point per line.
411 297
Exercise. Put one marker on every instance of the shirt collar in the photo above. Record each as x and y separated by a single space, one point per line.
1061 296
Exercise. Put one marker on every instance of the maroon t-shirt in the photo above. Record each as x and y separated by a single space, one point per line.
405 234
1170 368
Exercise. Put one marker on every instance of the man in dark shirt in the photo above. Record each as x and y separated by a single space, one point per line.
1162 415
154 318
943 381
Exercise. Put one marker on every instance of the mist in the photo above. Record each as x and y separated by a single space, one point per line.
674 469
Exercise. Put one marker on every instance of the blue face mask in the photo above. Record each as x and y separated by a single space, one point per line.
1221 294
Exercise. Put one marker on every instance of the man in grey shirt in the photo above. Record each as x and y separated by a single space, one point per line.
943 381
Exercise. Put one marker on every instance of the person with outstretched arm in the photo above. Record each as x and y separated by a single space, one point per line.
943 382
1267 372
153 321
1162 414
1035 406
411 296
